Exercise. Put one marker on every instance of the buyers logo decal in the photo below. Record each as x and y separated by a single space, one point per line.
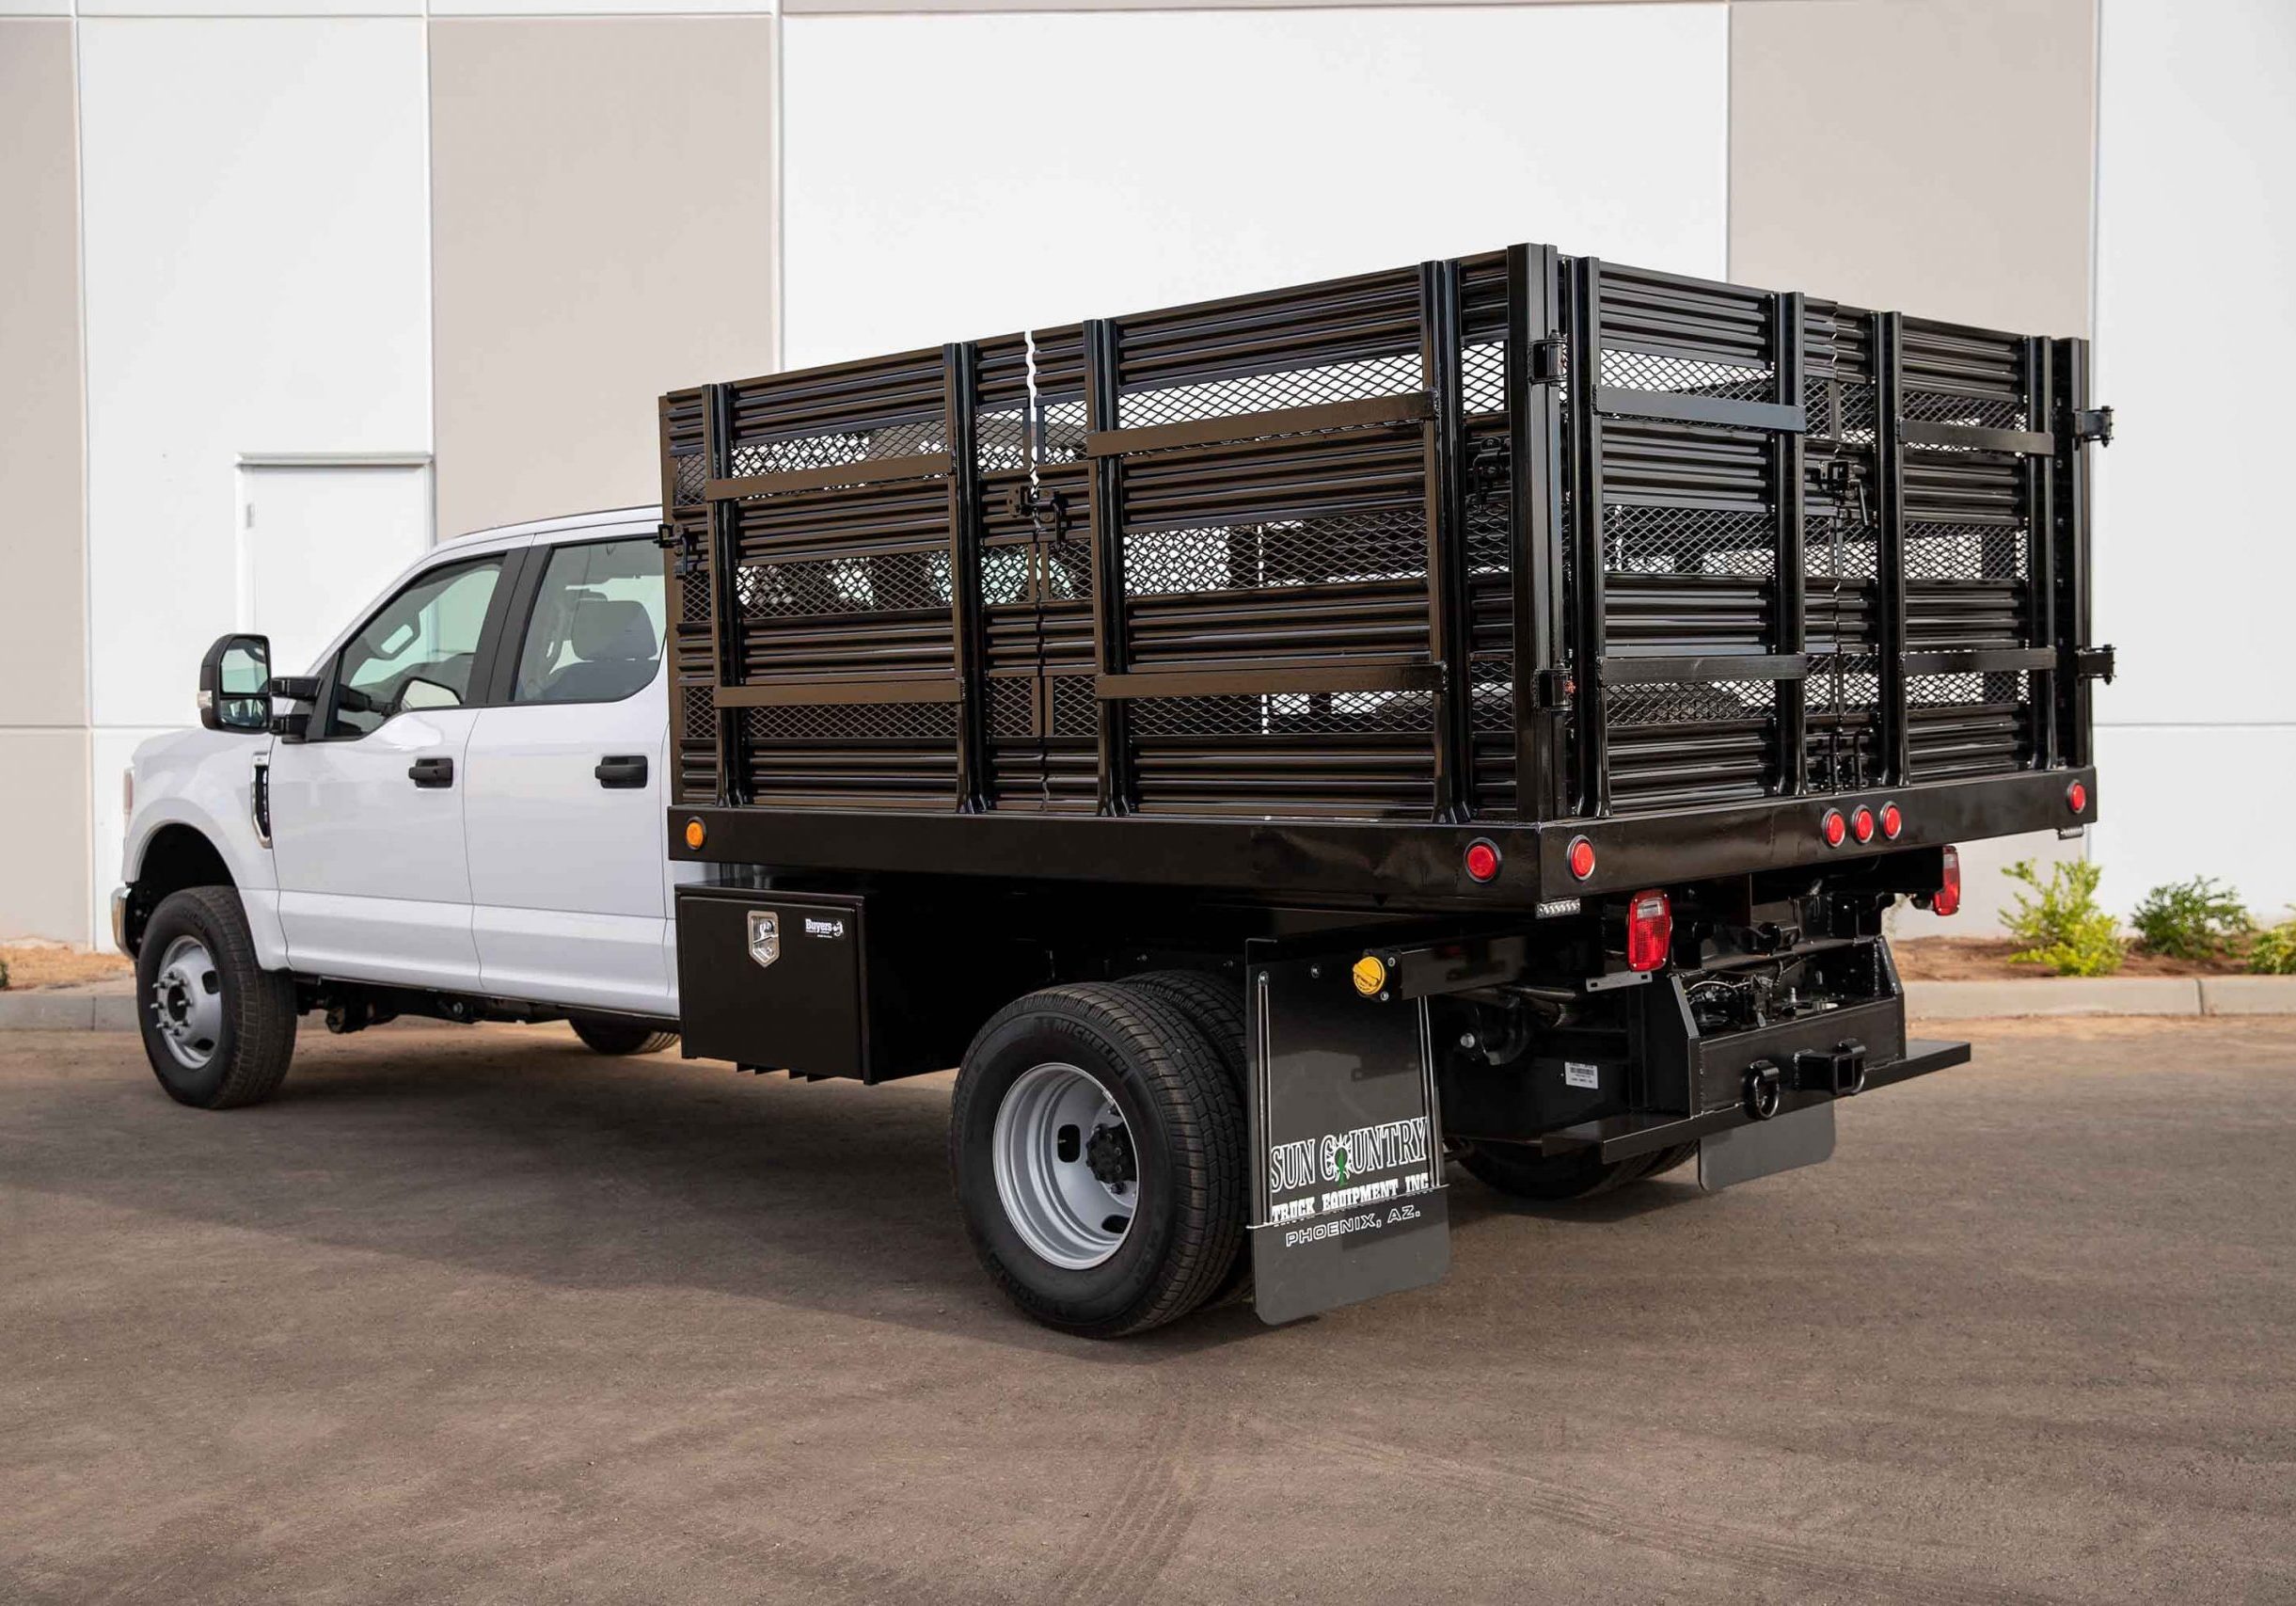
816 927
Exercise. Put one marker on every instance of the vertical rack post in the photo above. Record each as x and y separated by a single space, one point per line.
724 596
1786 336
1534 533
1107 506
959 372
2070 515
1586 534
1450 639
1889 544
2040 547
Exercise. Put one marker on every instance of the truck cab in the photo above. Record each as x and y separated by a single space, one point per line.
457 810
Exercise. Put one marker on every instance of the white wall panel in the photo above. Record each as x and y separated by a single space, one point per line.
258 281
956 176
2195 336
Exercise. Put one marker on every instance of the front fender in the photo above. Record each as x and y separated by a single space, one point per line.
204 781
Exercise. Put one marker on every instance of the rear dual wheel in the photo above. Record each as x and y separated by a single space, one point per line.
1096 1140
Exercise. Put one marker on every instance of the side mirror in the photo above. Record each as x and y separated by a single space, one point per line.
233 677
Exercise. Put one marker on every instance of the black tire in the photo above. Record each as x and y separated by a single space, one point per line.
1215 1003
1185 1121
1519 1170
606 1036
1669 1158
242 1058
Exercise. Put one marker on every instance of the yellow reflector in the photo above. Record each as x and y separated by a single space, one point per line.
1370 974
693 834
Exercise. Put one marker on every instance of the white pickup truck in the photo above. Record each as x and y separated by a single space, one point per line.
464 816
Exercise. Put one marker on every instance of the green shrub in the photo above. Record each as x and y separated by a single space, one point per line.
2060 922
2198 919
2273 952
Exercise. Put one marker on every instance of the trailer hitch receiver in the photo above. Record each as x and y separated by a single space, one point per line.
1839 1071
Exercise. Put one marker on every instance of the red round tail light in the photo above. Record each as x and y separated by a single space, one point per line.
1833 828
1861 823
1483 860
2077 798
1893 822
1581 857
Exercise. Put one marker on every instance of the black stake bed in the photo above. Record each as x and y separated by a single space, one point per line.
1313 587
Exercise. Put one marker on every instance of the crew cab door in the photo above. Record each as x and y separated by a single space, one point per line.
565 805
367 810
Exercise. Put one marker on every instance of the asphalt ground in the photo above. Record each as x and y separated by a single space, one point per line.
475 1315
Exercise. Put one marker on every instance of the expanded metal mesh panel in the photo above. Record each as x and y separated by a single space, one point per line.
853 755
690 472
1838 549
1002 439
1678 540
1284 713
1266 393
1673 702
1368 754
839 448
1945 407
1491 696
1387 545
1483 377
891 583
1965 552
1841 717
1012 708
1688 376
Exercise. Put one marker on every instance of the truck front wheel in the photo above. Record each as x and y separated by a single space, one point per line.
1096 1140
218 1028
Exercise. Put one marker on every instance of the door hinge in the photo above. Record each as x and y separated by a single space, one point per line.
1546 361
2093 423
2093 663
1551 689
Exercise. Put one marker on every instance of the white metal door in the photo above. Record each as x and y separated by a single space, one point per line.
367 812
317 541
565 808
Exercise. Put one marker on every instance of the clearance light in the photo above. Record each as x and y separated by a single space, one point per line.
695 836
1483 860
1947 898
1861 823
1833 828
1650 929
1581 856
1370 974
1893 822
2077 798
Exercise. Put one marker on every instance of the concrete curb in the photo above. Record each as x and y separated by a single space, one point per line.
2103 996
68 1008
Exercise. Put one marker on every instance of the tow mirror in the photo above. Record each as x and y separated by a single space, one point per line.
233 680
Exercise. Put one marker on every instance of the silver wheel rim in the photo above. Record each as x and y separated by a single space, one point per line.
1066 1169
187 1003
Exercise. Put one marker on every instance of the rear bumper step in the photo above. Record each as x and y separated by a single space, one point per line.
1620 1137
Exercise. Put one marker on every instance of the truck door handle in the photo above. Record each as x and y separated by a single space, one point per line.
625 771
432 772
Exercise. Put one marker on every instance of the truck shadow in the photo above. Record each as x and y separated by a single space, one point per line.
514 1152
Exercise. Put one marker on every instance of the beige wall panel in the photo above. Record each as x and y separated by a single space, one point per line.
602 218
861 8
43 652
1931 156
44 818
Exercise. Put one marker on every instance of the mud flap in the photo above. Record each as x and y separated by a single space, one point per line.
1348 1199
1798 1138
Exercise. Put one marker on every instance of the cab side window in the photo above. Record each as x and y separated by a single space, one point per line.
417 652
596 633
